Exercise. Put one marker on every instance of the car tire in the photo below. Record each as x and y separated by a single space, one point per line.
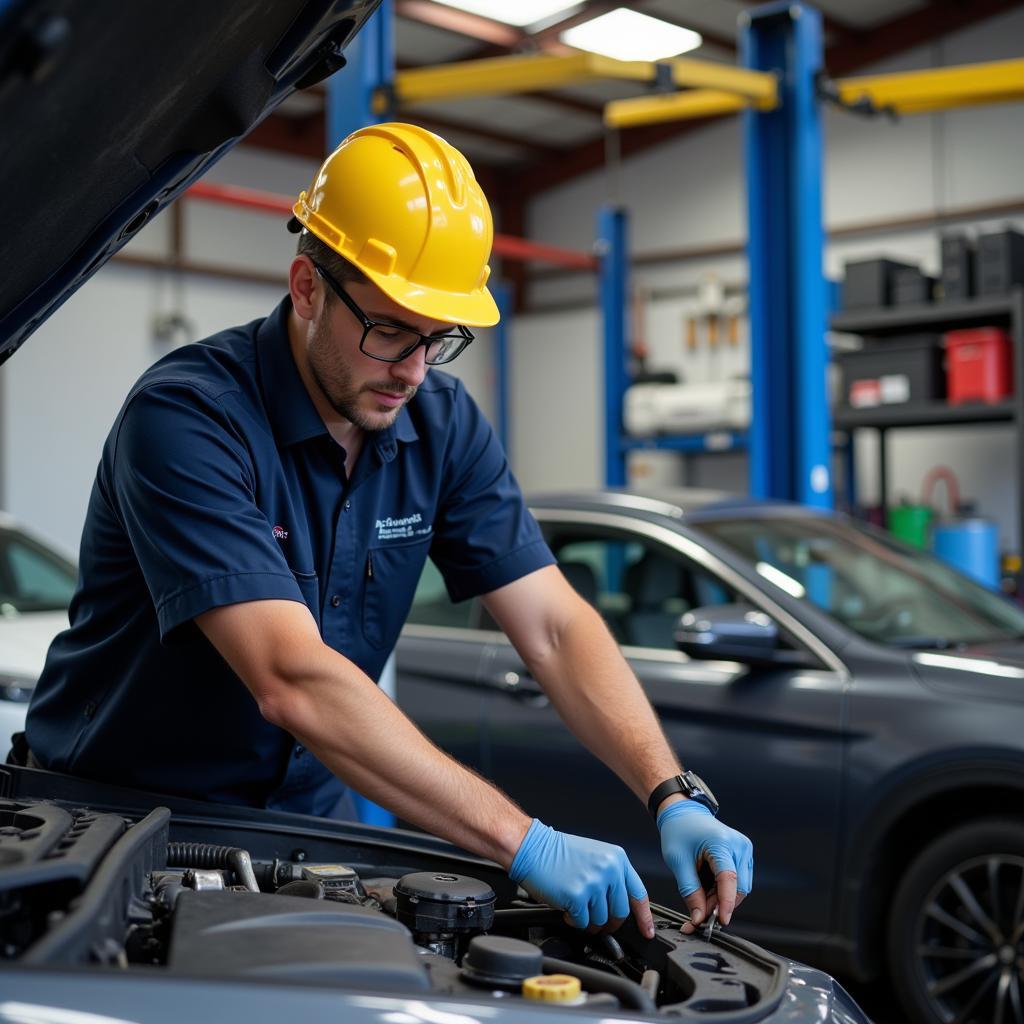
956 927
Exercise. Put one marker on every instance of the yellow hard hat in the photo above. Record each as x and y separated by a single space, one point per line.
404 206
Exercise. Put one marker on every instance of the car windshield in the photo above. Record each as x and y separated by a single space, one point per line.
882 590
32 578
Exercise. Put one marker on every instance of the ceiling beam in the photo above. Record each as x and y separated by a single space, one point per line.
498 40
473 26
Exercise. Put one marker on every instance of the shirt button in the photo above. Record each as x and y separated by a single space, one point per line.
299 750
348 504
90 710
335 600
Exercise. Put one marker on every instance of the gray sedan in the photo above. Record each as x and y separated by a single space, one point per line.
856 705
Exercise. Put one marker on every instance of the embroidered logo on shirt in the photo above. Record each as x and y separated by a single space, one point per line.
280 533
404 526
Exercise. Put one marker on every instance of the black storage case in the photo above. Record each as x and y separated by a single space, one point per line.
869 283
911 287
1000 262
957 268
919 358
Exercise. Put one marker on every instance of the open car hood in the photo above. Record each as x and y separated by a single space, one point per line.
110 110
122 906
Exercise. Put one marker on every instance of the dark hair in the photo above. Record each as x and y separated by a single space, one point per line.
337 266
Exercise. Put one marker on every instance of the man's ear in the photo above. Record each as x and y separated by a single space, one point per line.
304 288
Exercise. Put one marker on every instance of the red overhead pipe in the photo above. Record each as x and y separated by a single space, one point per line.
513 248
235 195
507 246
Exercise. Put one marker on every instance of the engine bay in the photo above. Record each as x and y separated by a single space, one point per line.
88 888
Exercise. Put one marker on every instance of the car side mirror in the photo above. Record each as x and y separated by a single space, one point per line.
734 632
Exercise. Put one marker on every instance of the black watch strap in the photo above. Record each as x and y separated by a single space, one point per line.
689 784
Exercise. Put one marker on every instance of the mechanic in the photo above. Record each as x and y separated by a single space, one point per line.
263 507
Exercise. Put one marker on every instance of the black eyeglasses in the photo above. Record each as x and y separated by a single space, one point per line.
390 343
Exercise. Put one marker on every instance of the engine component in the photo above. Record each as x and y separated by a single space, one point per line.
309 888
498 962
339 882
321 942
438 908
203 881
203 855
629 993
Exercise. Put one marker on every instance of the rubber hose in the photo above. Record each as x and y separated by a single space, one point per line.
209 857
650 982
629 993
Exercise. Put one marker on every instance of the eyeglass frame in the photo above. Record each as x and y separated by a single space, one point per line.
464 334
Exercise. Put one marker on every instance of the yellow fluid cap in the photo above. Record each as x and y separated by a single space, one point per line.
552 988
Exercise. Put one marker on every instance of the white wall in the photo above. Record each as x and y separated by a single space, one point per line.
60 393
691 193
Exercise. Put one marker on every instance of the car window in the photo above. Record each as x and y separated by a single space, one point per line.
432 606
639 587
884 591
33 579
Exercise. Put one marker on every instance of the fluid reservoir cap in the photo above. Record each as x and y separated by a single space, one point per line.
501 962
444 887
434 902
553 988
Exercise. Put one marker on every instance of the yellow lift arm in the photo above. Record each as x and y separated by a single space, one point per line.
517 74
919 92
908 92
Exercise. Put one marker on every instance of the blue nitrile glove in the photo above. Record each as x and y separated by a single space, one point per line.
590 880
690 835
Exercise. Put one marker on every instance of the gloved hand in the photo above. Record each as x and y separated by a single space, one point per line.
690 836
592 882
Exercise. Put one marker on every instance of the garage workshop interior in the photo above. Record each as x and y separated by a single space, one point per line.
759 373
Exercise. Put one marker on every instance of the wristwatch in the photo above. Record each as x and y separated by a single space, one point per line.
689 784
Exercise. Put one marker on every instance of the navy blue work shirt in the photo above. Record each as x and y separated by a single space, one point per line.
218 484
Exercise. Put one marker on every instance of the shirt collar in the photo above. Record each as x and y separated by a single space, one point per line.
293 416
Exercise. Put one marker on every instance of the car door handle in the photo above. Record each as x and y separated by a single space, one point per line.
511 684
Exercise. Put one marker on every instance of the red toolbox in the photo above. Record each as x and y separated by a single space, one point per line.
979 365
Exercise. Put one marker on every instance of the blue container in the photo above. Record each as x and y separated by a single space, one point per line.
970 545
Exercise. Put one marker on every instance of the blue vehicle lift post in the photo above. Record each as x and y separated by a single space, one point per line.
613 280
790 450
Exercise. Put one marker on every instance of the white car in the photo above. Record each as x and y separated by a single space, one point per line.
36 584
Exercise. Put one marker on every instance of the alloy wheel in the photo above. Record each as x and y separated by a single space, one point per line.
970 942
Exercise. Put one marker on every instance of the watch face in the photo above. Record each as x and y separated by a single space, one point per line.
700 790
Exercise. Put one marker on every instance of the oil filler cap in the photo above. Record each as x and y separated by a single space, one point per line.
499 962
553 988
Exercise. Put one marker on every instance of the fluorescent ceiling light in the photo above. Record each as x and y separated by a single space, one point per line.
629 35
512 12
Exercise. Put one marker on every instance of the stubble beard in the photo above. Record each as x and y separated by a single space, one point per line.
337 384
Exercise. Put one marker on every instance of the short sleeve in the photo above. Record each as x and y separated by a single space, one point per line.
484 535
183 487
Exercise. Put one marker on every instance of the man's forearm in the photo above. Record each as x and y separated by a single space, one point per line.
362 737
598 697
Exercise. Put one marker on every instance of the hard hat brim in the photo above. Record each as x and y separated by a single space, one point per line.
475 309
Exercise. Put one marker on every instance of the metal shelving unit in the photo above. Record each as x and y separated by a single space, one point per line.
1005 311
